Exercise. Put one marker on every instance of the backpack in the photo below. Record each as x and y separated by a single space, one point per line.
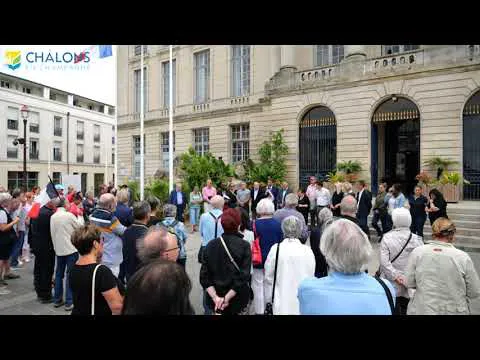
171 229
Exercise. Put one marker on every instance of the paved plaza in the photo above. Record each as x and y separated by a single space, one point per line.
23 301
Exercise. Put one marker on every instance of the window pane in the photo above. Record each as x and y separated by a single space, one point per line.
322 55
337 53
201 140
202 76
166 82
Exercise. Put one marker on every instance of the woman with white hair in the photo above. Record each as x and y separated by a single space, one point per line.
395 249
347 290
288 264
269 232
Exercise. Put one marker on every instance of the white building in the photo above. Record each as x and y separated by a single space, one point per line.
66 134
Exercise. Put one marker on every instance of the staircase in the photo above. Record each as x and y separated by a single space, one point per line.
465 215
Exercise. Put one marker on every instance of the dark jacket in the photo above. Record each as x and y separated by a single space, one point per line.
218 271
269 232
41 236
274 191
321 268
304 210
255 201
124 214
337 199
380 203
417 207
131 236
442 212
280 197
173 198
365 204
352 219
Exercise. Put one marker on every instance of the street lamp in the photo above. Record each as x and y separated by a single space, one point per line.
25 112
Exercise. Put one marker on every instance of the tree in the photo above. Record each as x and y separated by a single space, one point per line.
272 160
197 169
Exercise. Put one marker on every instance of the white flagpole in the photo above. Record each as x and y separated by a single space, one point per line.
142 160
170 116
116 117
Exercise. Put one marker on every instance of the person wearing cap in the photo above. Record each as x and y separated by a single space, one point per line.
61 190
444 277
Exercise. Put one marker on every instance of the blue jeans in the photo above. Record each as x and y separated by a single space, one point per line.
17 249
63 262
194 215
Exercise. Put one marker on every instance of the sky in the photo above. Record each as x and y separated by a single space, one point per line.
94 80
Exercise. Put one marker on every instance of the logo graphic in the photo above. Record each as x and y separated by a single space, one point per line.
13 59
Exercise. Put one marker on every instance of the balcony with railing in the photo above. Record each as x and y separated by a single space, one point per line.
406 60
57 131
33 154
12 153
80 135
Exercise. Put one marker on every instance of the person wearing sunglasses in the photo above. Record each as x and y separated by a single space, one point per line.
88 274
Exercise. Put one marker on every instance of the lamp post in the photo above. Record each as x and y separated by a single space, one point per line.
24 111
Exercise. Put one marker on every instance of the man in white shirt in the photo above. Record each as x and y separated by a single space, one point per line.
323 197
312 196
62 226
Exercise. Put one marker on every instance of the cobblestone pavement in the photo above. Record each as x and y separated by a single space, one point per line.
23 301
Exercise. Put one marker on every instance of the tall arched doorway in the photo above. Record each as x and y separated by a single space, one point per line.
396 143
317 143
471 147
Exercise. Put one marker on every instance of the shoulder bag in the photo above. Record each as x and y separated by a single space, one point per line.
388 293
235 264
396 257
256 250
269 306
92 312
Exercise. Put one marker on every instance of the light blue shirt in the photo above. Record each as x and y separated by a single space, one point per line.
179 198
342 294
207 226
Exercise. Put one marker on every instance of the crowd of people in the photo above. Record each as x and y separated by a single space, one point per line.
266 250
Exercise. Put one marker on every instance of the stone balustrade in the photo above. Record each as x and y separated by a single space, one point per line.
398 61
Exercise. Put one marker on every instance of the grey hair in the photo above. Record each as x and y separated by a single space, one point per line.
88 194
291 227
324 216
291 200
153 244
348 205
123 196
5 197
345 246
141 210
265 207
106 201
170 210
217 202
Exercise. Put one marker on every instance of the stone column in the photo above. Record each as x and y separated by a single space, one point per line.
46 93
355 52
287 57
70 100
274 59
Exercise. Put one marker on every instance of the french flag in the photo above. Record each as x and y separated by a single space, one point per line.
47 194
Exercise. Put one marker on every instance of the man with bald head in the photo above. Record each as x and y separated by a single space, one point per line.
158 243
111 230
348 208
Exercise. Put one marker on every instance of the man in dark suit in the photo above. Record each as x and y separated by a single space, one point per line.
282 194
364 201
179 199
272 189
256 194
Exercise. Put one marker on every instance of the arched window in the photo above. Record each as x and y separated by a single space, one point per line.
471 147
317 143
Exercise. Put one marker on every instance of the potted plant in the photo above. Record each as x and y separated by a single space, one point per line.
449 184
351 169
439 163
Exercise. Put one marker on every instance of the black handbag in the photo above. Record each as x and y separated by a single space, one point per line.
269 306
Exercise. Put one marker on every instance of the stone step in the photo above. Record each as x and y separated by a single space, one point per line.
464 210
456 218
460 231
466 243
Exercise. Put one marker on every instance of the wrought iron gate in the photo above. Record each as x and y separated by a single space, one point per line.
318 144
471 148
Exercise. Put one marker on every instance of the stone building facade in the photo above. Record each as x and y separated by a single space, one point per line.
390 107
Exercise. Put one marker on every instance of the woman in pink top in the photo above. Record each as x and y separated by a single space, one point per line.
208 192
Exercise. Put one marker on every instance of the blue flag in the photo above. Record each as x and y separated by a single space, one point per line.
105 51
